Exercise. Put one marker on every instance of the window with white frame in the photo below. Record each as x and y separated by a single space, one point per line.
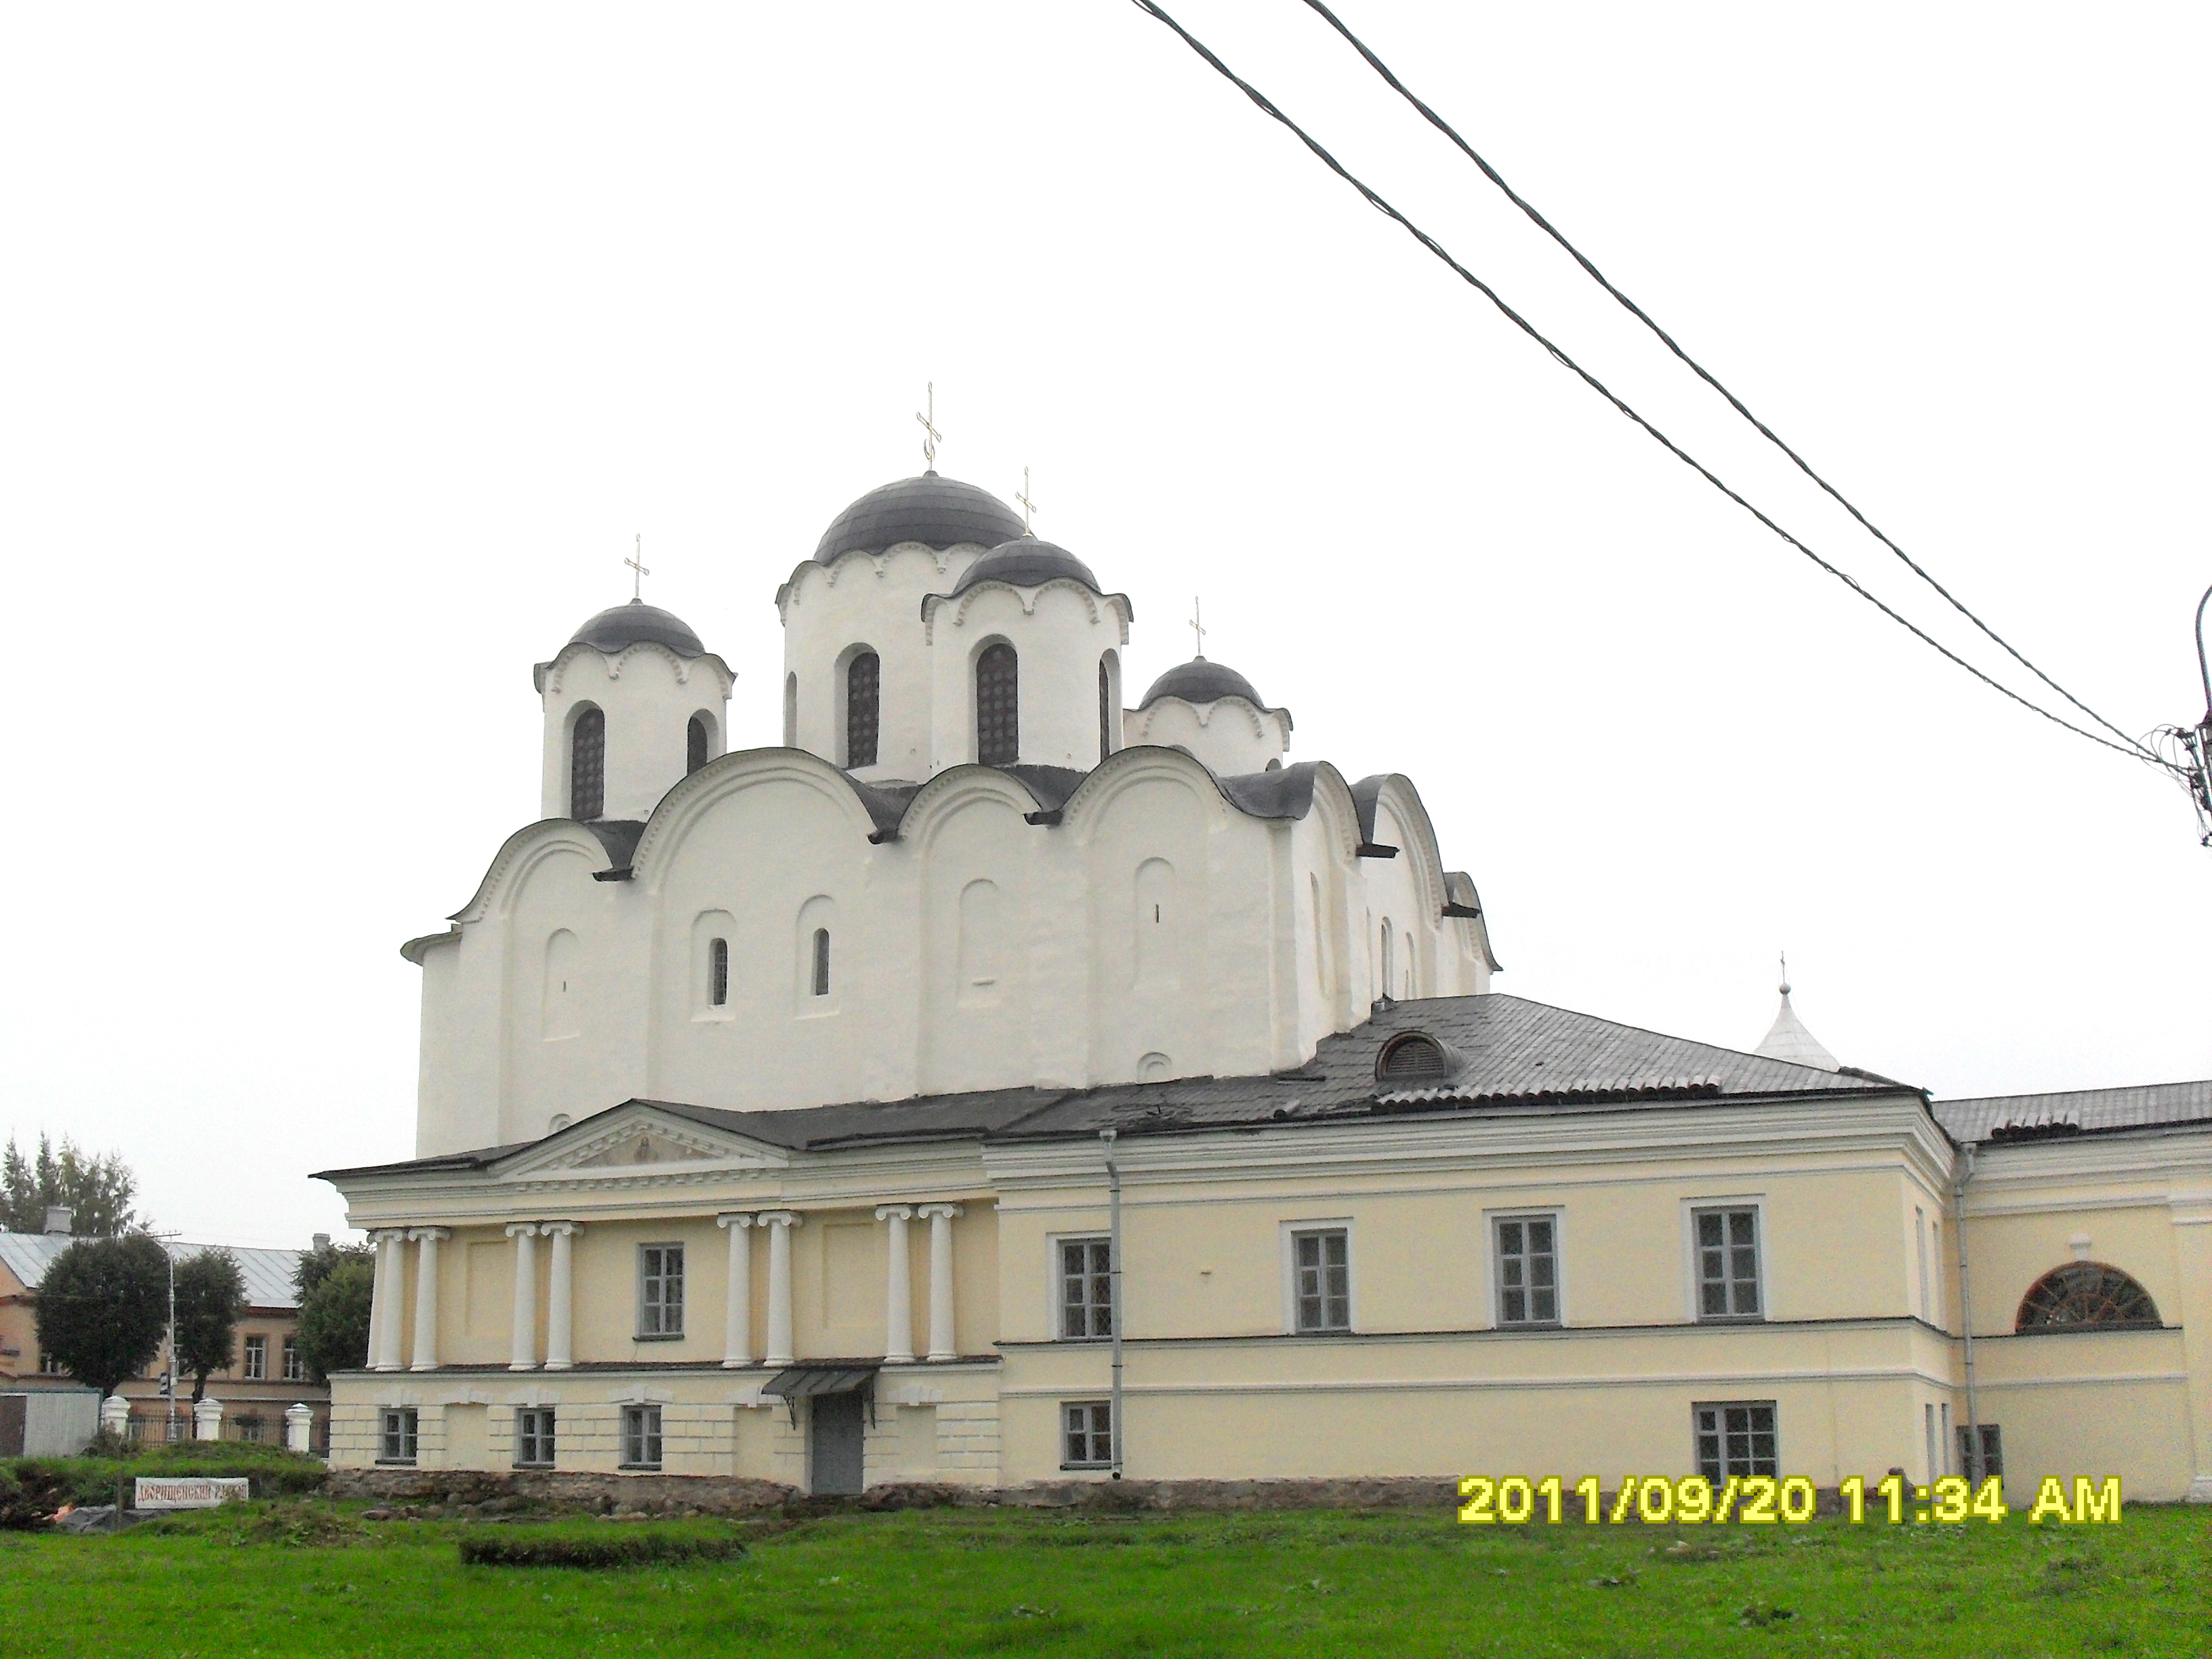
1727 1263
1736 1437
1086 1289
396 1441
295 1366
1528 1248
641 1436
1087 1434
256 1359
1321 1270
660 1290
533 1438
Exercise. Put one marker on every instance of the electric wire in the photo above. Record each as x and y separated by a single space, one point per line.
1699 369
1268 108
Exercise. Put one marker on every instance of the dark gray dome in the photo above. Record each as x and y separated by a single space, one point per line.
1027 562
638 623
938 513
1200 681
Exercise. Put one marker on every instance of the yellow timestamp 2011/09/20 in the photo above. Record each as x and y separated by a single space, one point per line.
1764 1500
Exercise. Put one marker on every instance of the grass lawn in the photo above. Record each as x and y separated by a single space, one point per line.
229 1584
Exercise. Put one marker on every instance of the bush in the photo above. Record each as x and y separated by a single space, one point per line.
637 1550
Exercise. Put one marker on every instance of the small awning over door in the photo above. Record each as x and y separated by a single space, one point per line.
802 1382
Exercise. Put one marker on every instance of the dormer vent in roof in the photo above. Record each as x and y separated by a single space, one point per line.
1414 1058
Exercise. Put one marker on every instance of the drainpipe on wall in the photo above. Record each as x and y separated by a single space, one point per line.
1965 1173
1113 1272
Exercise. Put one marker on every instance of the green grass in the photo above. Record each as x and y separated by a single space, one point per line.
313 1578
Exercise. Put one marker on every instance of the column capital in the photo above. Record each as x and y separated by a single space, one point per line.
563 1229
382 1235
894 1212
734 1219
521 1230
435 1235
779 1219
931 1212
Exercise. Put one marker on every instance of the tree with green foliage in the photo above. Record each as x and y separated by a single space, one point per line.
210 1296
336 1285
97 1190
102 1306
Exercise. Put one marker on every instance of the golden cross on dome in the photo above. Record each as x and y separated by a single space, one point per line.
1028 506
1198 627
932 437
637 563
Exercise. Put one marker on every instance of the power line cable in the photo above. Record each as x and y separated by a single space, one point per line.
1699 369
1267 107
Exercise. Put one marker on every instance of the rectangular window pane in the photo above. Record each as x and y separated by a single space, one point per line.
641 1436
257 1358
1736 1438
660 1290
1728 1264
1086 1289
1087 1434
398 1442
1528 1271
1323 1279
533 1438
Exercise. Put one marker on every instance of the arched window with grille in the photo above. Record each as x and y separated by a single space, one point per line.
864 680
1388 955
718 974
998 706
2086 1296
822 962
1105 706
695 744
587 766
791 711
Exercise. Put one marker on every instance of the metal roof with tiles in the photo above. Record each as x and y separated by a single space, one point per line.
1516 1056
268 1274
2145 1106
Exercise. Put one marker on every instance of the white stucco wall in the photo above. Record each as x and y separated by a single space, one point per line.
649 696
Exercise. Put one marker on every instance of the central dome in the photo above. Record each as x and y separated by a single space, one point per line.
1025 562
938 513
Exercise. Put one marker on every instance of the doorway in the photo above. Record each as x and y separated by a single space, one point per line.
837 1438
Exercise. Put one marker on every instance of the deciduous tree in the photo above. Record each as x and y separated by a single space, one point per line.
102 1306
210 1296
338 1285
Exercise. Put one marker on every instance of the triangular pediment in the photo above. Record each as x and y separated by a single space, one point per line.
639 1141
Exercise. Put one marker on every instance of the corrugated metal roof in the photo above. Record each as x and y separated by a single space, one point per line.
268 1274
2141 1107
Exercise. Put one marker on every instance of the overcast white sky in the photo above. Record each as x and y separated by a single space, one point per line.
342 353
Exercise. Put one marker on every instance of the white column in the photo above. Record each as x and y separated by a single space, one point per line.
737 1300
522 1349
943 1343
299 1426
559 1297
898 1299
779 1223
427 1240
207 1419
384 1352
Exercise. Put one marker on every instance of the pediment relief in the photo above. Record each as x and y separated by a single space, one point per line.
644 1144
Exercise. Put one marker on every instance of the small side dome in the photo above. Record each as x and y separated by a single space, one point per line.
938 513
1200 681
1025 562
638 623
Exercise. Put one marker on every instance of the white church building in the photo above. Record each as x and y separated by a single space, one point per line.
994 1082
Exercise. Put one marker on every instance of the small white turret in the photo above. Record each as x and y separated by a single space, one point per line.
1213 714
1788 1039
1026 660
633 704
